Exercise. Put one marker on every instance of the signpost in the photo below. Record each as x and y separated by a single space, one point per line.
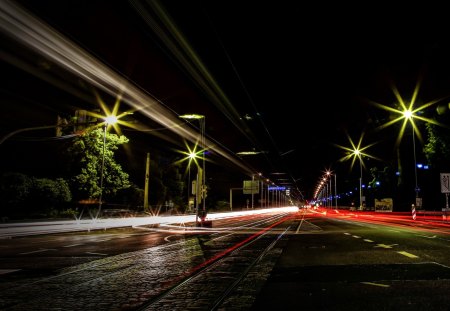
251 187
445 188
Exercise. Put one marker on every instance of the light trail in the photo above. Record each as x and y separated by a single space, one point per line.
33 33
399 219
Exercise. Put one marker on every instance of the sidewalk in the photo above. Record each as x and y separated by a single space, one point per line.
15 229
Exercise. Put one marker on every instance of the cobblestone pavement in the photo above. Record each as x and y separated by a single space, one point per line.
129 280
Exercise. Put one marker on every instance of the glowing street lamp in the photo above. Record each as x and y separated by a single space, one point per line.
109 120
409 115
192 155
357 152
202 122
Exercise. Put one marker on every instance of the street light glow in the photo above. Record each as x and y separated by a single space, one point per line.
357 152
408 115
110 120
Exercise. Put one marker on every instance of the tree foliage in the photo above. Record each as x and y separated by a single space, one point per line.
22 194
51 194
15 188
87 154
437 148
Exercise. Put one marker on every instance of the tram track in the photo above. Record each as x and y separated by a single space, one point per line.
229 254
232 268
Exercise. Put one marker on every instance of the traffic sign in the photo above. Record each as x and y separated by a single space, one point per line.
445 182
276 188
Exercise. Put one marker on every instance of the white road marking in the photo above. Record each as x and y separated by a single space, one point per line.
72 245
367 240
100 254
356 237
38 251
167 238
428 237
375 284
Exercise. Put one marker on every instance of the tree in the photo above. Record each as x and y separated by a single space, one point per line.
437 152
86 156
48 194
26 196
437 148
15 189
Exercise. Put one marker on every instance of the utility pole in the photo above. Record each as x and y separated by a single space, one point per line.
147 177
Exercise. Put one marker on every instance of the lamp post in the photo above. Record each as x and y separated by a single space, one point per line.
192 156
202 122
415 164
416 188
335 191
109 120
358 154
409 115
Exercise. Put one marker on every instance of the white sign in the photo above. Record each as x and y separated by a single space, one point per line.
445 182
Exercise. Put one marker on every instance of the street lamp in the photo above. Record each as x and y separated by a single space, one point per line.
109 120
357 153
408 114
192 155
202 122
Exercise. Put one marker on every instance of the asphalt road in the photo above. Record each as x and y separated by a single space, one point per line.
349 263
323 262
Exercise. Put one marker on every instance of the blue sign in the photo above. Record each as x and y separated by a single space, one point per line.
277 188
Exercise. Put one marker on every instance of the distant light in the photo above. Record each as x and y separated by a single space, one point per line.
192 116
377 183
397 173
419 165
248 152
425 167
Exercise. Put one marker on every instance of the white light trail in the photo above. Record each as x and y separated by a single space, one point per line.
33 33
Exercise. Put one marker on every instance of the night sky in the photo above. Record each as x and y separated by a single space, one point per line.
284 78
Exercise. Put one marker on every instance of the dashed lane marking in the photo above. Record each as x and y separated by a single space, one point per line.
38 251
367 240
427 236
72 245
407 254
356 236
385 246
375 284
